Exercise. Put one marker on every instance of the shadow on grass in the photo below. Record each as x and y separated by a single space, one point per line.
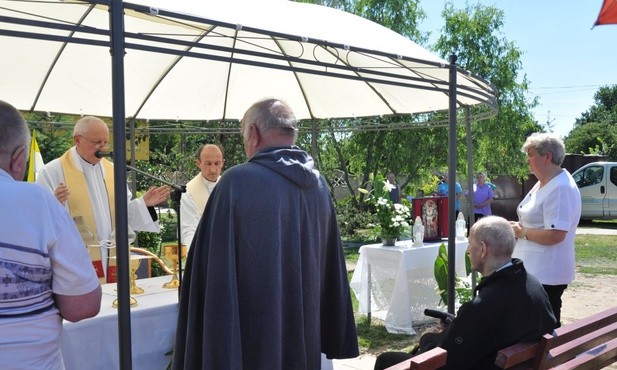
599 224
374 338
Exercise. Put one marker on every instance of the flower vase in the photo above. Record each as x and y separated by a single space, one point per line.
388 242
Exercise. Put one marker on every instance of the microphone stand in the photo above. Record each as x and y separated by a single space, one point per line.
176 194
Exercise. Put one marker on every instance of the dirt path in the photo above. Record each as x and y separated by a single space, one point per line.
588 294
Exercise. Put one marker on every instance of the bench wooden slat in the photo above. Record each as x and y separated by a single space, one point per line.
586 344
581 327
433 359
516 354
595 358
570 333
429 360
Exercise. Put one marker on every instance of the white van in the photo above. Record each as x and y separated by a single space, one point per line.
597 183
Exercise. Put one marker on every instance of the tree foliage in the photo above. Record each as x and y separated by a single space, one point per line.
401 16
53 138
595 132
474 35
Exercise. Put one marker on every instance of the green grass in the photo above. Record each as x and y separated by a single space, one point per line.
595 254
373 337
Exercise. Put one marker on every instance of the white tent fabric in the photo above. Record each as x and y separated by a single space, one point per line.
210 60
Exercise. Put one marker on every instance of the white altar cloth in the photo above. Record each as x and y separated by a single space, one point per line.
92 344
395 284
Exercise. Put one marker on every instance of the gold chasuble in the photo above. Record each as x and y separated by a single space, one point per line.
80 207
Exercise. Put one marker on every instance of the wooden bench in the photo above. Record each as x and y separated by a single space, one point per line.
429 360
590 343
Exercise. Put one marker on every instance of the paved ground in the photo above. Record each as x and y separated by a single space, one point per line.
367 361
596 231
363 362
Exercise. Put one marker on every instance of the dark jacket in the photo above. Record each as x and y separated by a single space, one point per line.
509 306
265 285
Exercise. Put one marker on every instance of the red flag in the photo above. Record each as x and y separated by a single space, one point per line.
608 13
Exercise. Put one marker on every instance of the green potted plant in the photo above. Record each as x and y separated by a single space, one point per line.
392 219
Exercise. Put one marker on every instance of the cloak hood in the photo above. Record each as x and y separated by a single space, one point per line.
290 162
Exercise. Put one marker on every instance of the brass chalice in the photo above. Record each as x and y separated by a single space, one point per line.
171 253
134 289
135 262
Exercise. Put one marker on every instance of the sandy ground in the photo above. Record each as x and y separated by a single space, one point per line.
588 294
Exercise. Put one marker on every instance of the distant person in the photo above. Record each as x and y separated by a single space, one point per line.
210 162
395 193
548 217
509 305
267 287
442 190
493 186
482 197
83 182
46 272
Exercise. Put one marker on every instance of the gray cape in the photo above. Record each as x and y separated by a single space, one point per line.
265 285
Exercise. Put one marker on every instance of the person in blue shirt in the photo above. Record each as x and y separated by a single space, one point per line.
442 190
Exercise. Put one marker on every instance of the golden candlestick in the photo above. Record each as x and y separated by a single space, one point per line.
171 253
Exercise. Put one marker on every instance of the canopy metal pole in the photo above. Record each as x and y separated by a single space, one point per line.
116 14
133 174
470 176
314 133
451 187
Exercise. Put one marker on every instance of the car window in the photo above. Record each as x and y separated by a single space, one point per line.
590 176
613 175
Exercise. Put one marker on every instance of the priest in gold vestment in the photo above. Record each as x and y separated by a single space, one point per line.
84 184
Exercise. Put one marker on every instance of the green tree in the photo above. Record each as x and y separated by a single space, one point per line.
401 16
362 155
173 152
474 34
54 134
595 132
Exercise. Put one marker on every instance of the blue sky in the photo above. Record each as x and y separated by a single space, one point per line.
565 60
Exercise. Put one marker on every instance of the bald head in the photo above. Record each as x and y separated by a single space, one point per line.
90 135
491 243
210 161
268 123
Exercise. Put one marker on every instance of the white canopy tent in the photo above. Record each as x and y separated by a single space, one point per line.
210 60
207 60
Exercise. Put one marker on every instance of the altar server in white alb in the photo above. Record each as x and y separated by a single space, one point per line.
210 162
84 184
46 273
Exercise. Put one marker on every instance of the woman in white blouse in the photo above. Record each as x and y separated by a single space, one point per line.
548 217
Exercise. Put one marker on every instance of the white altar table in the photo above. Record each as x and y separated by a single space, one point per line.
395 284
92 344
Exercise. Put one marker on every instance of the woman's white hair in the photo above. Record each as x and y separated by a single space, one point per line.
543 143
